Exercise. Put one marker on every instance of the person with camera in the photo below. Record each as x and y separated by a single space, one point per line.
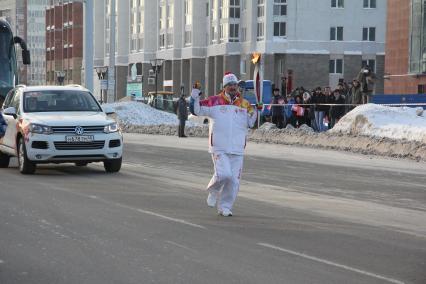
230 117
367 79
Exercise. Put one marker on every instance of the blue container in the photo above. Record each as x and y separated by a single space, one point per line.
400 99
266 98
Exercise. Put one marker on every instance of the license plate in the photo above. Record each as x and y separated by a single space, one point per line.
85 138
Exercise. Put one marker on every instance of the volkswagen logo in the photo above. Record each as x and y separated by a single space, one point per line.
79 130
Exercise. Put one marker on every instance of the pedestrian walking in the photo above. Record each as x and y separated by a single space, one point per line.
182 114
231 116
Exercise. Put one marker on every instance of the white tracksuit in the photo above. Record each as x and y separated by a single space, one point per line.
229 122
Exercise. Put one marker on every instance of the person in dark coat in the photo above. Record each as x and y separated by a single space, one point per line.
277 111
336 112
318 99
356 93
182 114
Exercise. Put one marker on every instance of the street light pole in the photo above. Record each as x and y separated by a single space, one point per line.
156 67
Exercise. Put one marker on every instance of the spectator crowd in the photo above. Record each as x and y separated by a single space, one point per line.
320 108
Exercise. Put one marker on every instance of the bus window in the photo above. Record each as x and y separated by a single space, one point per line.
7 58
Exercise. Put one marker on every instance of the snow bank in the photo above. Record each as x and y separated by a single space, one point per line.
134 114
368 129
386 122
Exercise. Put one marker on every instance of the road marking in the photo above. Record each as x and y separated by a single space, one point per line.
313 258
1 261
181 246
170 218
181 221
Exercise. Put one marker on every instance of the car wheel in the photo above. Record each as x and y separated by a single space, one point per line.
81 164
4 160
113 165
25 166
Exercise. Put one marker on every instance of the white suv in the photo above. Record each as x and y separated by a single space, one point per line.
54 124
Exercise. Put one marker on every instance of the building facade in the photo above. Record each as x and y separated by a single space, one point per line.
319 42
36 41
64 42
405 71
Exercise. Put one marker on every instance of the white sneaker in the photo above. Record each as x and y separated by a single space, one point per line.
225 213
212 199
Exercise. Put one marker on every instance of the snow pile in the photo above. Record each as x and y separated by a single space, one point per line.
268 126
131 114
400 123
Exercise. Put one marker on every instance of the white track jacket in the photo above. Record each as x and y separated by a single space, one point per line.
229 121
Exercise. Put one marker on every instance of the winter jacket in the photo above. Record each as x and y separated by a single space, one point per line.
182 109
277 111
319 99
337 111
229 121
3 126
288 108
356 95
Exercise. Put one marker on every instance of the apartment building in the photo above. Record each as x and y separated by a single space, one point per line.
318 42
64 42
405 71
36 41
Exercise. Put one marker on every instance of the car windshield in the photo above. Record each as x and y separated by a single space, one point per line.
54 101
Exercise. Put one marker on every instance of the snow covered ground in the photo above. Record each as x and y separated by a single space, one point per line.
139 114
383 121
368 129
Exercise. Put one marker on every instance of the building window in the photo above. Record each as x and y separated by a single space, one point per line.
162 41
188 12
243 34
370 63
338 3
369 34
188 38
169 40
243 66
170 14
140 42
162 14
336 33
418 37
280 7
234 33
336 66
279 29
260 8
260 31
234 9
369 3
214 34
223 32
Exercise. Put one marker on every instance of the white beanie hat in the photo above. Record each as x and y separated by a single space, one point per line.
229 78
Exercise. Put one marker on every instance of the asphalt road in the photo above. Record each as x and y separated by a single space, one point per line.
302 216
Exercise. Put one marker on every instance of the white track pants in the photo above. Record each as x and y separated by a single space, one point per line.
226 179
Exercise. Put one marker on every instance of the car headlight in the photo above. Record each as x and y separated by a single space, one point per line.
110 128
40 129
